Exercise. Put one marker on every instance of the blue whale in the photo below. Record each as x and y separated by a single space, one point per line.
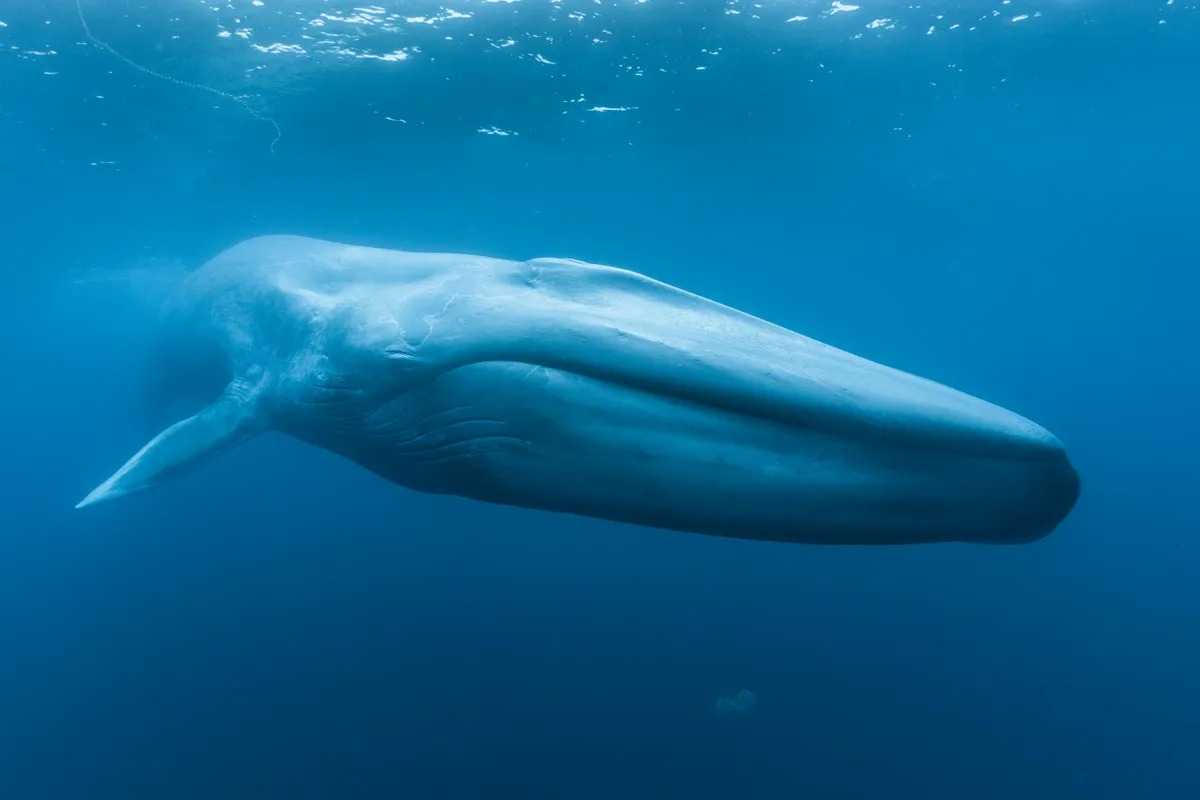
564 386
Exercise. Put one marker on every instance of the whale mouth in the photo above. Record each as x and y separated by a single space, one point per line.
932 463
565 440
831 391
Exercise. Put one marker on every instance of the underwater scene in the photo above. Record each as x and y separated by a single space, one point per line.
599 399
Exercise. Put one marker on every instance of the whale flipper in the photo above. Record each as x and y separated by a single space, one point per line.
231 420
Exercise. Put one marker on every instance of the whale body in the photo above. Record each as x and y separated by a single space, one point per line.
564 386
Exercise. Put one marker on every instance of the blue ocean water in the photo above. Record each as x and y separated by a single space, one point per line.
998 195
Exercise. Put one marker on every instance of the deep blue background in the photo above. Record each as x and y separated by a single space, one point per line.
282 624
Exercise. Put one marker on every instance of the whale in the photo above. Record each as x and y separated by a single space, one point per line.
583 389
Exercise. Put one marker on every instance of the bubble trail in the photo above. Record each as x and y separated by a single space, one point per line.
239 99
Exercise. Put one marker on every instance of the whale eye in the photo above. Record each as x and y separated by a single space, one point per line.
401 354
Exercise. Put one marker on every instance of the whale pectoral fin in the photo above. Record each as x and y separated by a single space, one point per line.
232 419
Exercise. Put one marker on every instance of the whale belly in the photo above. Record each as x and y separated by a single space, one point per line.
543 438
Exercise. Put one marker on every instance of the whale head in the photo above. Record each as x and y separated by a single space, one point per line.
571 387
